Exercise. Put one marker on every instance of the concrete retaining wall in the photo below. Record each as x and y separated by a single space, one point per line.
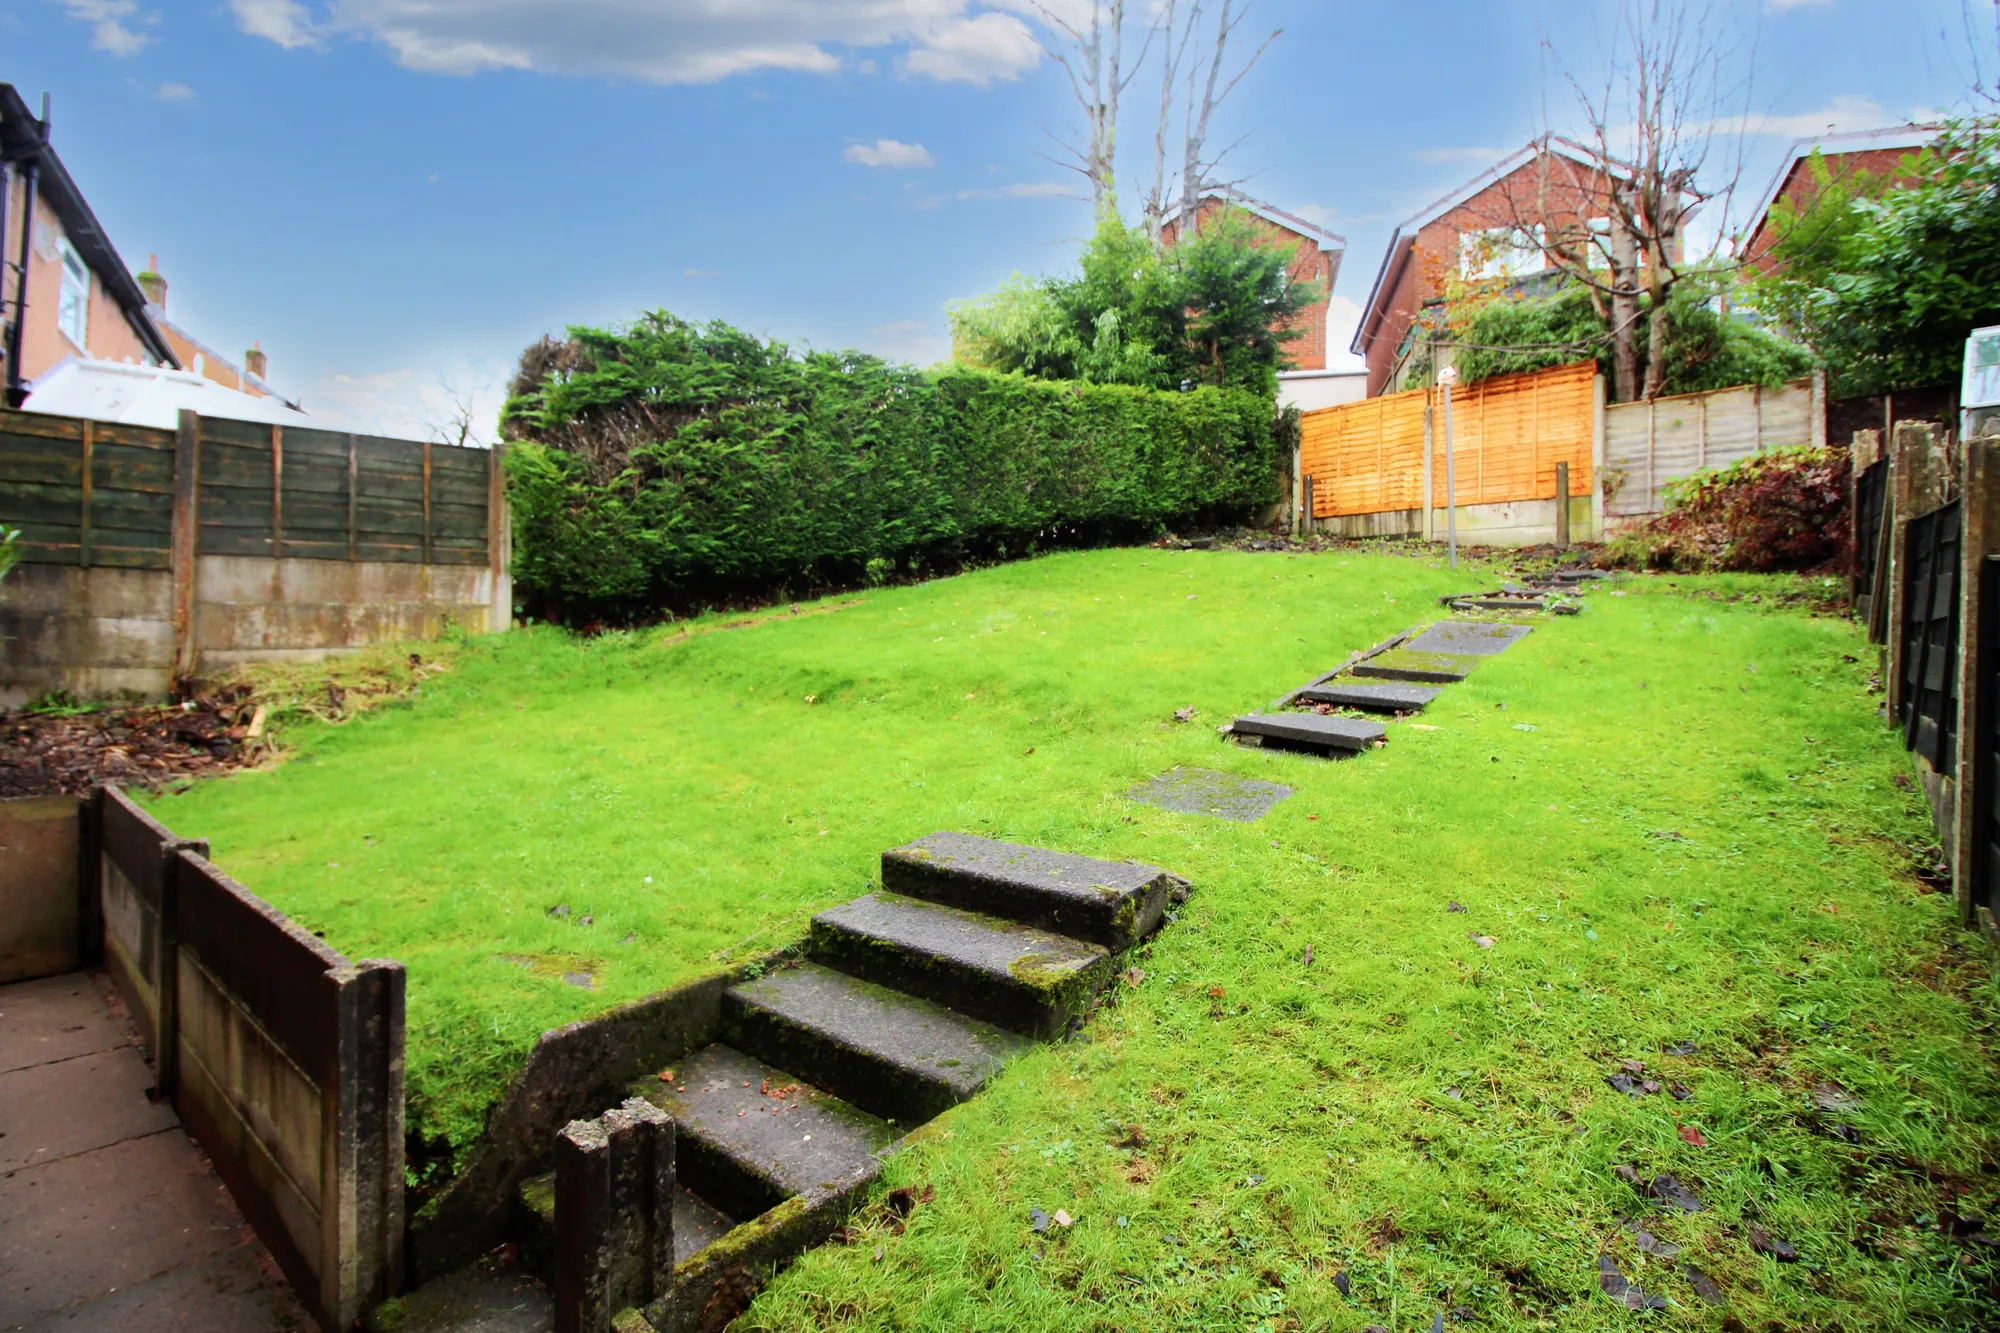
1514 523
40 904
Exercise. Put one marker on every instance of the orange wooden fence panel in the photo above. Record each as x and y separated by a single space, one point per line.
1508 434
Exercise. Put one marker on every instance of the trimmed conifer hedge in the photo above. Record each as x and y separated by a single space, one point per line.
671 465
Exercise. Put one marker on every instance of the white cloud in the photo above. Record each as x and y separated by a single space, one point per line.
286 22
658 41
1322 216
1836 117
977 50
1478 156
107 20
888 153
912 340
1021 190
1780 6
412 405
174 92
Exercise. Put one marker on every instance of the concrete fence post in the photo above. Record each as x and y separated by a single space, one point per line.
614 1223
361 1234
184 544
1979 517
1562 505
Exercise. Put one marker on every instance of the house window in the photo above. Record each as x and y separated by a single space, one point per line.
1501 252
73 300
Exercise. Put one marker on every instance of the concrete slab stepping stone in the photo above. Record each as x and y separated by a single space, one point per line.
1311 730
1477 638
1203 791
888 1052
1409 664
1111 903
1020 977
1375 698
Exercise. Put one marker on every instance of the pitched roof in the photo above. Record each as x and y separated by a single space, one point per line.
146 395
1890 137
1406 234
23 141
1328 242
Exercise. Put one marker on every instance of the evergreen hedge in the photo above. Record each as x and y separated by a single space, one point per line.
670 465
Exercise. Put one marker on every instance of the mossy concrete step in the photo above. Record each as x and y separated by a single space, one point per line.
1376 698
1310 730
1112 903
1475 638
881 1049
697 1222
1021 977
1408 664
751 1135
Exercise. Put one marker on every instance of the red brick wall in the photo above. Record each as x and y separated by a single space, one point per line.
1308 351
1800 189
1550 189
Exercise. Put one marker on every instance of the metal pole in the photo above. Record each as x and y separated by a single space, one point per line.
1450 478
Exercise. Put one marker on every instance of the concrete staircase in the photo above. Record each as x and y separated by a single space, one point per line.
906 1002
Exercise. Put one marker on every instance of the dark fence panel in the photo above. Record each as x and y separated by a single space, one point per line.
1983 875
89 493
276 969
1871 490
1930 638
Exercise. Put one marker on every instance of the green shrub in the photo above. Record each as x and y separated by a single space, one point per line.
669 465
1779 510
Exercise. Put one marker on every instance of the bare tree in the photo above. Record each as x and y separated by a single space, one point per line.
1612 213
1173 49
455 421
1197 162
1092 52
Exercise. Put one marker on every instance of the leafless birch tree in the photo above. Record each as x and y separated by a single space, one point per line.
1197 161
1091 52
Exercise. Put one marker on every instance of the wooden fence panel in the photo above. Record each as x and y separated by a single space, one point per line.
86 493
1648 445
264 491
1365 457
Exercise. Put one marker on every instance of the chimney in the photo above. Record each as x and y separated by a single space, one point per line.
151 283
254 360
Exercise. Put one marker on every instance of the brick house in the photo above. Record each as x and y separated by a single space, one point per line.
1876 153
1491 229
1316 254
64 292
198 356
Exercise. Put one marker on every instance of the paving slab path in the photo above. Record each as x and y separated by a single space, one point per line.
110 1217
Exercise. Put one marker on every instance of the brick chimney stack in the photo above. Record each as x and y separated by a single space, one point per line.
151 283
254 360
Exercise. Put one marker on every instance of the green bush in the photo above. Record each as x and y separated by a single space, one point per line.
670 465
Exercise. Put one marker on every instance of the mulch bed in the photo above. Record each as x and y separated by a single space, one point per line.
151 746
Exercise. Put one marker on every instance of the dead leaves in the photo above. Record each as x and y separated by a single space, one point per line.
1615 1285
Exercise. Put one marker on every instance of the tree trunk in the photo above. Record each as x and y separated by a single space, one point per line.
1624 311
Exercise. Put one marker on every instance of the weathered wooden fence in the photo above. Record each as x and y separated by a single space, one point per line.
90 493
149 554
1933 601
1648 445
1379 465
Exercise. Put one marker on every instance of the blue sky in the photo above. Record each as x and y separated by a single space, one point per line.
396 196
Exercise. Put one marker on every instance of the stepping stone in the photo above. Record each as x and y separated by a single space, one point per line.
1374 698
750 1135
1111 903
889 1053
1311 730
1408 664
1203 791
1499 604
1477 638
1021 977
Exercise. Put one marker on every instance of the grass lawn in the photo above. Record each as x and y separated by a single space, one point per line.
1674 817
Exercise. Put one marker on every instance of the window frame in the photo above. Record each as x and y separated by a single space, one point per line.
73 320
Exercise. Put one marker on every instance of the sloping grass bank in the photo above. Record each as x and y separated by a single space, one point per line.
1673 824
